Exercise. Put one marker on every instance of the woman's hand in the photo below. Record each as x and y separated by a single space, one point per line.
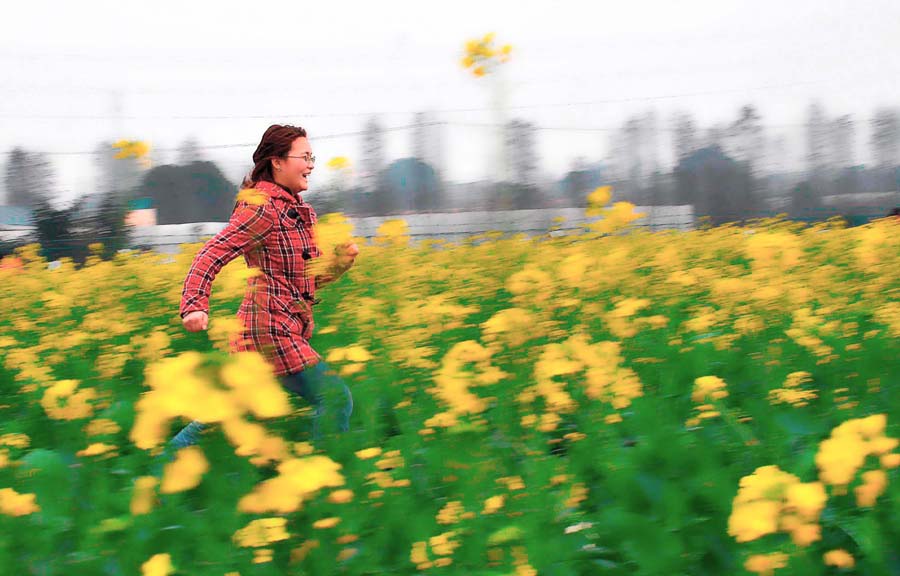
195 321
346 256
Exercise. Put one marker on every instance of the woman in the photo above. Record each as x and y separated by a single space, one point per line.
272 229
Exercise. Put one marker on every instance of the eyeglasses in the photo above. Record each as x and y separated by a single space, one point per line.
309 158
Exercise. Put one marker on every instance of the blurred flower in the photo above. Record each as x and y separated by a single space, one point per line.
64 401
262 532
297 480
130 149
101 427
14 504
338 163
766 564
157 565
185 472
771 500
873 486
839 558
143 498
96 449
481 51
252 196
325 523
367 453
15 440
493 504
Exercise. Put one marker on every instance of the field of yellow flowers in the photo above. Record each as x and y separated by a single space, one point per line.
719 401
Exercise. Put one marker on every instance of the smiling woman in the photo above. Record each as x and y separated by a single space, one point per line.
272 227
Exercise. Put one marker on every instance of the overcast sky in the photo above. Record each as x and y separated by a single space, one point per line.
223 71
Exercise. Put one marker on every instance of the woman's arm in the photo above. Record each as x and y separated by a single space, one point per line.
247 228
344 260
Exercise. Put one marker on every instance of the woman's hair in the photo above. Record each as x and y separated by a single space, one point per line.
276 142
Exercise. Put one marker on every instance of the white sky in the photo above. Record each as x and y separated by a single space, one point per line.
325 65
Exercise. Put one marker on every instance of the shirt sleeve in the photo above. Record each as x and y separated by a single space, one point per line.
246 230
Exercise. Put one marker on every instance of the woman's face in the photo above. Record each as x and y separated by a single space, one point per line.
293 171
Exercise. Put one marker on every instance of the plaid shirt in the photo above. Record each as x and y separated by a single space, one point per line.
276 238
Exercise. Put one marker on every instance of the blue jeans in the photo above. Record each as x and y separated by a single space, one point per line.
327 393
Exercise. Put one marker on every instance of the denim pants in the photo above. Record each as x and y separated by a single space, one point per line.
327 393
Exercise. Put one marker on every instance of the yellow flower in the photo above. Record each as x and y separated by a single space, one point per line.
418 555
185 472
15 440
14 504
326 523
130 149
493 504
96 449
157 565
262 555
368 453
889 461
839 458
600 196
338 163
299 554
708 387
394 231
807 498
753 520
839 558
297 479
143 499
101 427
342 496
806 534
254 385
873 486
252 196
450 513
842 455
261 532
62 401
766 564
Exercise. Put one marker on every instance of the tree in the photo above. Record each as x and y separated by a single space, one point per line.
806 202
410 184
109 224
817 140
522 191
842 142
29 179
373 157
189 151
579 182
55 232
685 138
198 192
746 138
428 141
885 140
118 175
716 185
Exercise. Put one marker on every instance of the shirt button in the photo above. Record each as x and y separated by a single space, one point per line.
306 254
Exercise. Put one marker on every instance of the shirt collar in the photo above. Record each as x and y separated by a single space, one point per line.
277 191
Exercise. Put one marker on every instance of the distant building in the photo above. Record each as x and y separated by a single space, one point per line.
16 223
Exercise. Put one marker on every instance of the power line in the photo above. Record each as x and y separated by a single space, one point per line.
388 113
397 129
236 145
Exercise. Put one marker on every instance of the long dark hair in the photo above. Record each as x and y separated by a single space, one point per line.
276 142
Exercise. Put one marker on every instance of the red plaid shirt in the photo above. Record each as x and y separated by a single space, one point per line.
275 237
